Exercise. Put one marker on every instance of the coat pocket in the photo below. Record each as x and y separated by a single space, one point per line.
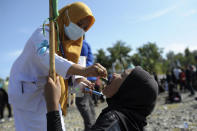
31 98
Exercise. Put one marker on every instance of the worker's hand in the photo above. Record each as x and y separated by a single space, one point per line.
89 84
52 93
96 70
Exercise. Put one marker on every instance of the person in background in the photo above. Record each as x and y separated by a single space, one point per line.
29 72
155 76
97 86
176 72
189 75
131 97
161 89
173 94
196 65
173 77
196 73
182 80
85 104
4 103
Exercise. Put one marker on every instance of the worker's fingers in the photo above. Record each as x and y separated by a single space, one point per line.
100 72
100 66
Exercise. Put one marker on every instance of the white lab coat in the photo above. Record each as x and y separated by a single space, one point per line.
27 79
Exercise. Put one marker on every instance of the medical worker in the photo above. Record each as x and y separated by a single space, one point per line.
29 72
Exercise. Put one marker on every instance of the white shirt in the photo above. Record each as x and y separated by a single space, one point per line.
177 71
32 66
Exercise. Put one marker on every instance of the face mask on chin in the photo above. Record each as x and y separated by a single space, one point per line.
73 31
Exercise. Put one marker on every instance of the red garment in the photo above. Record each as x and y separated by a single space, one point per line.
182 76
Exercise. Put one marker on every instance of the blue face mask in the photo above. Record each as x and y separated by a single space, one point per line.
73 31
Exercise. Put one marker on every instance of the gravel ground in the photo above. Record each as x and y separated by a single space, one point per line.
165 117
174 117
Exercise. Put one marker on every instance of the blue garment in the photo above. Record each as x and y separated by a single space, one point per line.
86 51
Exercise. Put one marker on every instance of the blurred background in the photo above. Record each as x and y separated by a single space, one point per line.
159 35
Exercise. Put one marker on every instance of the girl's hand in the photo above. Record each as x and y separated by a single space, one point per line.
52 92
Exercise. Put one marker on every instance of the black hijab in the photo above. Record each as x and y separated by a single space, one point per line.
135 99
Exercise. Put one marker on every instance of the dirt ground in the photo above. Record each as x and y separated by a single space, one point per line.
166 117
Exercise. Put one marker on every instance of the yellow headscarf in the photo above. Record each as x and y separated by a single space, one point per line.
72 49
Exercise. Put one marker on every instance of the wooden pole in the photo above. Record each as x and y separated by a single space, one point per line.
52 43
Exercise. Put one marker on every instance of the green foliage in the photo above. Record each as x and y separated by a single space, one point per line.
189 58
119 52
149 56
118 58
1 80
103 59
181 59
136 59
7 78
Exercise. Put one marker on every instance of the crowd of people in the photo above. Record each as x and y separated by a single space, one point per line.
178 80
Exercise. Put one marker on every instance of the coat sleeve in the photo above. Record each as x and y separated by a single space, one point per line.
107 121
90 57
41 51
53 121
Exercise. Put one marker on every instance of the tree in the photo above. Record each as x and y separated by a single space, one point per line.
170 59
1 80
103 59
149 55
180 59
189 58
120 53
136 59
